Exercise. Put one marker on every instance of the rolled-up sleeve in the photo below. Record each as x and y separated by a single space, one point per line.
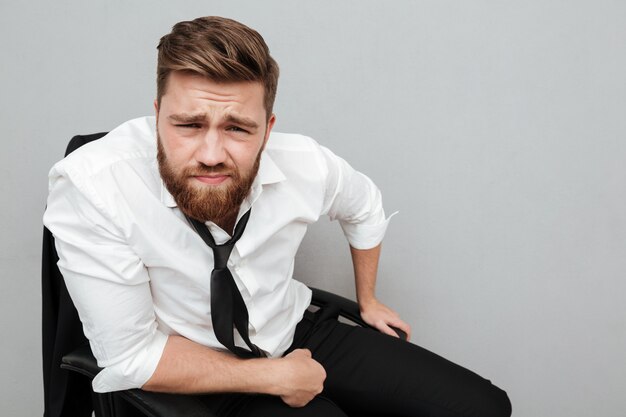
108 283
355 201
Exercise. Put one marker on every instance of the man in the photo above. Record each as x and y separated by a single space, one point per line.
138 218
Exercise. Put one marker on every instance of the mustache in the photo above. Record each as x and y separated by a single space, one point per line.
220 169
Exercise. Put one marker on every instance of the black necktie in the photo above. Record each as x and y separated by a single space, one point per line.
228 309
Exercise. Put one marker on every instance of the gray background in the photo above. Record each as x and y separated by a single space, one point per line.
497 129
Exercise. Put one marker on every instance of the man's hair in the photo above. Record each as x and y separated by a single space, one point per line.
220 49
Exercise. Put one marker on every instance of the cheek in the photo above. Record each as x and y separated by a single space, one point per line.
245 156
179 151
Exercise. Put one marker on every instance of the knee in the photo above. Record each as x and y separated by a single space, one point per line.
504 404
495 404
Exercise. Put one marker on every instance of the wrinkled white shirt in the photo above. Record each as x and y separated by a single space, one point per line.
138 272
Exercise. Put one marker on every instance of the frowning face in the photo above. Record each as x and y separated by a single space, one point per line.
210 138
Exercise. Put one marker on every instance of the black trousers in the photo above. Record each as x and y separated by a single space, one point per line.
372 374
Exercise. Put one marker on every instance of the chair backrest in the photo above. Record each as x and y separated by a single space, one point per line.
80 140
65 393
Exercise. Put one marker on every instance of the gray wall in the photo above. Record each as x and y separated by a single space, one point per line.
496 128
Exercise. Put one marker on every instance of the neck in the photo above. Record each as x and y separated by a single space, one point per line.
227 223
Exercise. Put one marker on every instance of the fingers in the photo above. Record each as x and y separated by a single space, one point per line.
385 328
301 379
396 332
390 328
385 320
404 327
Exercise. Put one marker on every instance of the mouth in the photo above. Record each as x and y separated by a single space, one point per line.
212 179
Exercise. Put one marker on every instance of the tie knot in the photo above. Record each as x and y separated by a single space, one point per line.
221 253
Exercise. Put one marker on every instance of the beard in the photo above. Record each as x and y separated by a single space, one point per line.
206 203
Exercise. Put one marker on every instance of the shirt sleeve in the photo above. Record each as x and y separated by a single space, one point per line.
107 282
355 201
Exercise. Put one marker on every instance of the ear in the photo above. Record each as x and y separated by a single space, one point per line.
156 109
268 130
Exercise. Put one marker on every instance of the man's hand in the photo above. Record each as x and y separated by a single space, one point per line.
378 315
301 378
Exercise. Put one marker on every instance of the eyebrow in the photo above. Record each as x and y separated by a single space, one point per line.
201 117
241 120
187 118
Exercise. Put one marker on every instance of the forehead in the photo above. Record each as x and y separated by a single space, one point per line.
193 93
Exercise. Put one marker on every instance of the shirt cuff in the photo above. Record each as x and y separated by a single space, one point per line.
132 372
365 236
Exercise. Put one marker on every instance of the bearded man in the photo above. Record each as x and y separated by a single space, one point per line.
177 235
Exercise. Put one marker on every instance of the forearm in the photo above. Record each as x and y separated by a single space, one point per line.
365 263
188 367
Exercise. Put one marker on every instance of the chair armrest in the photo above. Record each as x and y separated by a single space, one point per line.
82 361
152 404
347 308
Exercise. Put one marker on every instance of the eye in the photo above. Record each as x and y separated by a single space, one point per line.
189 125
236 129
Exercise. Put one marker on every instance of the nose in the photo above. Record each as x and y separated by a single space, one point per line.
211 151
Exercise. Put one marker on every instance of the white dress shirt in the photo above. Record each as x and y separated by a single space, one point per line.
138 272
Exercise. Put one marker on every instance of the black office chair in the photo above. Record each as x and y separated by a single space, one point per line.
69 366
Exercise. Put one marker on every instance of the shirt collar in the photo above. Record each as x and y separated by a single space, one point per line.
269 173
